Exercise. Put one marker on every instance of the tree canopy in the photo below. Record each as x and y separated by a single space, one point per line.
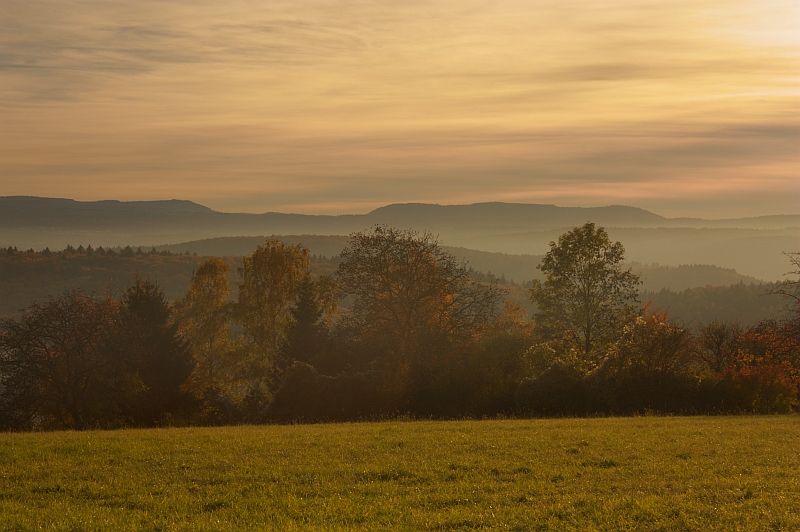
410 297
270 280
205 313
587 295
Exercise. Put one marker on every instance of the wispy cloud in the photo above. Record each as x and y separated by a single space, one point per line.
320 105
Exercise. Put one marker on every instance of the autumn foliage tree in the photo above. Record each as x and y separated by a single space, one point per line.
205 315
270 280
651 343
587 296
412 300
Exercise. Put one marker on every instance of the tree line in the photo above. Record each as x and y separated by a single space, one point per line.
28 276
400 328
748 304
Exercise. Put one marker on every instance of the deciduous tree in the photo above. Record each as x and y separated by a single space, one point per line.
271 278
205 315
720 344
587 295
56 370
651 344
411 299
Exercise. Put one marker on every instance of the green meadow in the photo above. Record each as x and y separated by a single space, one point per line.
644 473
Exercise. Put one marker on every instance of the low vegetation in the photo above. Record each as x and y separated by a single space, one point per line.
645 473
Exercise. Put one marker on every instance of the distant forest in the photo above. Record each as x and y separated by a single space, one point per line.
28 276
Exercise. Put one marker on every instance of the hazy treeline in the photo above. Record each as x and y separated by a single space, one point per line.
100 251
28 276
747 304
400 327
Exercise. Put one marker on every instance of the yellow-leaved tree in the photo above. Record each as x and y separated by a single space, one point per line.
205 314
270 280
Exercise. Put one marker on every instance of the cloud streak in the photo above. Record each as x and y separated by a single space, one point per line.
687 107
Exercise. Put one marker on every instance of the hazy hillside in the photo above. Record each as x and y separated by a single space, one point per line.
746 303
683 277
29 277
519 268
323 245
752 246
753 252
516 268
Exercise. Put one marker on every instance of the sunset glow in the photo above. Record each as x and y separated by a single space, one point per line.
684 108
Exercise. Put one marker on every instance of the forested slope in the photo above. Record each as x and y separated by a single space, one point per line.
29 277
746 303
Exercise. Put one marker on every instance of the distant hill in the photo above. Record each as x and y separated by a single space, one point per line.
745 303
516 268
27 212
752 246
688 276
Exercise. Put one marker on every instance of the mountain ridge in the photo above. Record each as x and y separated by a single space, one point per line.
753 246
18 207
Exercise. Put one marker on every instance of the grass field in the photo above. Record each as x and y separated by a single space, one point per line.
646 473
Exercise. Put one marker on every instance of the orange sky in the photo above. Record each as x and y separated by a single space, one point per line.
684 108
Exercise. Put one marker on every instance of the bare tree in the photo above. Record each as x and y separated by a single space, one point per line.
790 288
55 368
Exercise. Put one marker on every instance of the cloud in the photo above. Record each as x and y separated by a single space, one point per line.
324 104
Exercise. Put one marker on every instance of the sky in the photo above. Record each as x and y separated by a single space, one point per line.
685 108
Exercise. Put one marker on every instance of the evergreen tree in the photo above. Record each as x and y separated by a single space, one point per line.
307 335
154 351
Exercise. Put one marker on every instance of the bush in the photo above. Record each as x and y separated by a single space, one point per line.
755 389
308 396
559 391
639 390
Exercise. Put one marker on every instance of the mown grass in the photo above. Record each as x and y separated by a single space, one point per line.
647 473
